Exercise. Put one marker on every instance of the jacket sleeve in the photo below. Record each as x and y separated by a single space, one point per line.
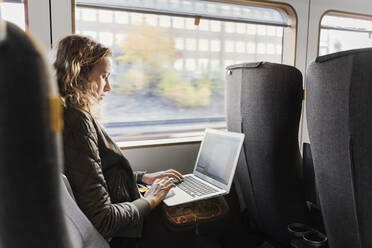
138 176
83 169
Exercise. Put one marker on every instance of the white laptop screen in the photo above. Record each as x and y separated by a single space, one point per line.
217 156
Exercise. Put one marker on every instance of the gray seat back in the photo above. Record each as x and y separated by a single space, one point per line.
81 230
264 102
339 116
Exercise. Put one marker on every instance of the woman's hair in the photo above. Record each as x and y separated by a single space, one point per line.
76 56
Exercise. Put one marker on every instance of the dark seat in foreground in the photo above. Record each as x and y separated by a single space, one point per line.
264 102
339 116
36 208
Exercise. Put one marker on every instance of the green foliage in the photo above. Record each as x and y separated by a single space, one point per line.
215 81
217 84
151 49
148 55
131 81
184 93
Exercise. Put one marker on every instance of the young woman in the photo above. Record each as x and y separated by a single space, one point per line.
101 178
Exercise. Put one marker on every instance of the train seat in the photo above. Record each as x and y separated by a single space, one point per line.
339 116
264 101
30 210
36 209
82 232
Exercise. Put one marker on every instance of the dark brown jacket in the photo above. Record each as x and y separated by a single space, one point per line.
101 178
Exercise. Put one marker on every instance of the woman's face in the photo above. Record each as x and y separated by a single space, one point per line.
99 75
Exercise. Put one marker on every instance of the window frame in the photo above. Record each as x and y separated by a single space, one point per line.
25 6
339 13
290 29
289 45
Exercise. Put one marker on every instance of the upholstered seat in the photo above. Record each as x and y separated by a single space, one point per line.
339 116
36 208
82 232
264 102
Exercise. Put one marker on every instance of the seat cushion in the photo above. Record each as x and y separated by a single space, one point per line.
81 230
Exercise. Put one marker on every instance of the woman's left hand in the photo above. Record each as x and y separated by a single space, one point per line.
149 178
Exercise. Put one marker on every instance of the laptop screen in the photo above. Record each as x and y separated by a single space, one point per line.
217 156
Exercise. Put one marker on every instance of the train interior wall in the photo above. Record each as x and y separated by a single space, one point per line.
49 20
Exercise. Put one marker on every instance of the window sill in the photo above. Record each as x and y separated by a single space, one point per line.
125 145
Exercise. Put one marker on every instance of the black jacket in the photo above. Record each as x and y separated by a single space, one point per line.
101 178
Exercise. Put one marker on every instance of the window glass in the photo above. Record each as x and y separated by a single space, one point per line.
230 27
198 8
178 22
105 16
191 44
178 43
251 48
164 21
270 49
89 15
136 18
203 45
168 76
151 20
119 39
215 45
120 17
340 33
229 46
203 64
178 65
13 12
261 48
240 28
261 30
91 34
251 29
106 38
215 26
190 24
204 25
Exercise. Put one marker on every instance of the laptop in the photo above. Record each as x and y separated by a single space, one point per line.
213 171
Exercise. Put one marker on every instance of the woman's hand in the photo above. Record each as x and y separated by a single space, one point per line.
149 178
158 191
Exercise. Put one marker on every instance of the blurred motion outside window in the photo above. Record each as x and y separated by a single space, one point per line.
168 77
340 33
14 13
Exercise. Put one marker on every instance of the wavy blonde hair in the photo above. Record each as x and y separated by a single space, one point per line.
76 56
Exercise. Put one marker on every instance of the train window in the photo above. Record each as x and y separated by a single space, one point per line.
170 56
13 12
341 31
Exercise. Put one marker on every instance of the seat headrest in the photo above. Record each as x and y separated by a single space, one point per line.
253 65
332 56
245 65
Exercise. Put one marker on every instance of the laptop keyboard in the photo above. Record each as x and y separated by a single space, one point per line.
194 187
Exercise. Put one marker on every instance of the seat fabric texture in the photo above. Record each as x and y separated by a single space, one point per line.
264 102
339 116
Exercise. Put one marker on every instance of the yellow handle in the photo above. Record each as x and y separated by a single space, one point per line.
55 114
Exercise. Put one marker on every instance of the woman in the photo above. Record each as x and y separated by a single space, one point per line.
102 180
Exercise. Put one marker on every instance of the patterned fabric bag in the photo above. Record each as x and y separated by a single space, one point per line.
194 213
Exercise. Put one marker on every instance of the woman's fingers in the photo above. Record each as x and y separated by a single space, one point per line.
157 180
158 191
175 174
169 184
156 184
162 184
165 185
